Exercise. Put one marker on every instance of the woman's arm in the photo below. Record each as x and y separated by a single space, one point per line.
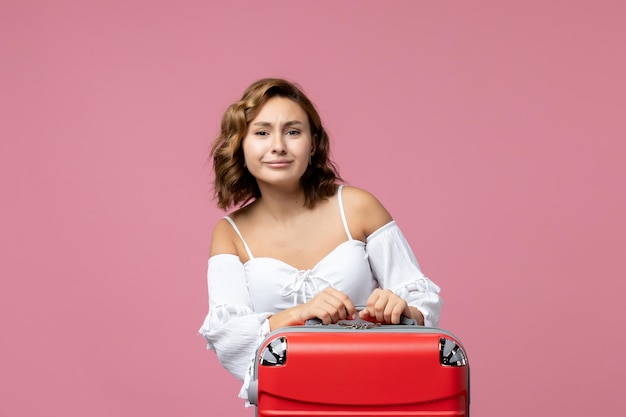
404 289
231 328
395 267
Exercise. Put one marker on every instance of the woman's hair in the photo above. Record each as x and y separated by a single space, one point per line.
234 185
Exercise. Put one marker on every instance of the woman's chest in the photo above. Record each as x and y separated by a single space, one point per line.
275 285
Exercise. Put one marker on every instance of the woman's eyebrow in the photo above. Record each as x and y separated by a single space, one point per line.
293 123
268 124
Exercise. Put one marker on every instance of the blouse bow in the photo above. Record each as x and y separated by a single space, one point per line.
305 283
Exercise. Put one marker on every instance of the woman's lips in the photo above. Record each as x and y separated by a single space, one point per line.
278 163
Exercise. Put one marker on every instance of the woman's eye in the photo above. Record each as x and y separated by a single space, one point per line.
261 133
293 132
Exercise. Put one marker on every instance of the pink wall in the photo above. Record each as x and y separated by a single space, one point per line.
494 134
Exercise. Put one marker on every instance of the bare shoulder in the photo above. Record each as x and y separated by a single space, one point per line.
364 212
223 239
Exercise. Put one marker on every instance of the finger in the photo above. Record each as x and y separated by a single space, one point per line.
380 306
393 312
370 310
363 314
325 314
321 307
395 308
397 313
389 309
330 311
341 302
350 308
341 311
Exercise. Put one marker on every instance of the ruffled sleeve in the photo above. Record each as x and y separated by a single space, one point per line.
395 267
231 328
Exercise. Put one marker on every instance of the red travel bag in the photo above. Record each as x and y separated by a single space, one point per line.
357 368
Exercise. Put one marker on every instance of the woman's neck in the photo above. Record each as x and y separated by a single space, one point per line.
282 205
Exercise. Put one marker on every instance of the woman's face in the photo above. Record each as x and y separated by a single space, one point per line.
278 144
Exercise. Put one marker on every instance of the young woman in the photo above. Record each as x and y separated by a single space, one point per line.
300 246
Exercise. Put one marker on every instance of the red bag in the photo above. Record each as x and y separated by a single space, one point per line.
357 368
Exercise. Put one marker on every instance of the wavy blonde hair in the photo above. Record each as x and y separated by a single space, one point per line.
233 184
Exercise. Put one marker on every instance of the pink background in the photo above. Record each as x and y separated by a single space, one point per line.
494 133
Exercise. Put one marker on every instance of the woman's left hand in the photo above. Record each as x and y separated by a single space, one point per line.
383 306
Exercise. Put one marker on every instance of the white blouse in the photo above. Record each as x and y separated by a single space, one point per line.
243 296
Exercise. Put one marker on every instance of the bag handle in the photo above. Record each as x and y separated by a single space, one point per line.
404 320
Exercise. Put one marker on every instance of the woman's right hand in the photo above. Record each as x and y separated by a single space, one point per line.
329 306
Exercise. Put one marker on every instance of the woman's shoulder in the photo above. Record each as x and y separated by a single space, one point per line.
358 196
225 239
364 212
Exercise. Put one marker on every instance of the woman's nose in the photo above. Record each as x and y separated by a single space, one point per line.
278 144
